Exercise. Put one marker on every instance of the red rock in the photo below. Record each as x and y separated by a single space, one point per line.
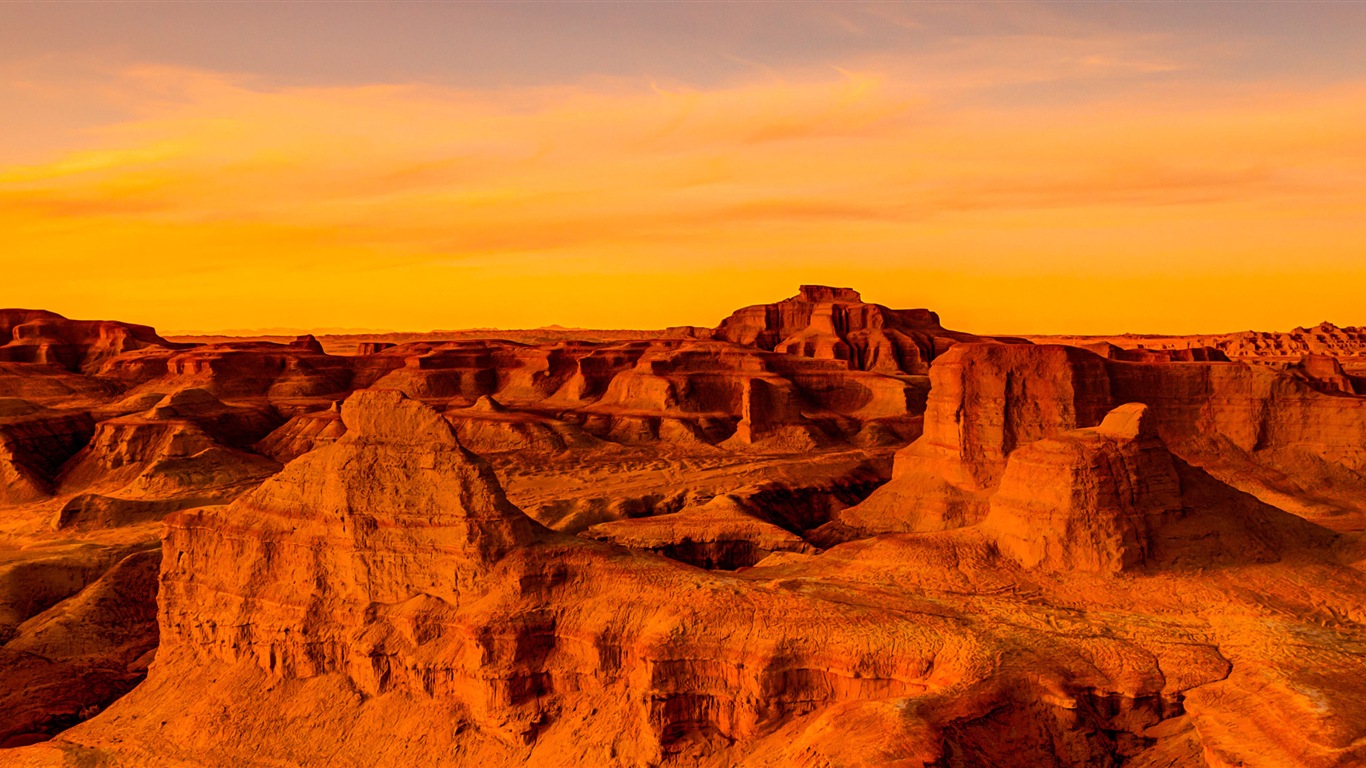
835 324
1325 374
67 663
726 533
985 401
373 347
77 345
309 342
1077 588
34 442
166 453
302 434
1261 431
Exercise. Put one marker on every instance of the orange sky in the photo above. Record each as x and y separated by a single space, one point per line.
1061 176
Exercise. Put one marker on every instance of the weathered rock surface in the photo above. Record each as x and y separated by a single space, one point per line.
1112 498
67 663
726 532
302 434
1322 339
836 324
1260 430
77 345
1087 499
1141 557
985 401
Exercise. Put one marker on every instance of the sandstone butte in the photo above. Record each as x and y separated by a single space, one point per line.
824 533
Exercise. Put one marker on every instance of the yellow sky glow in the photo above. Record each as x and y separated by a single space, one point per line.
224 203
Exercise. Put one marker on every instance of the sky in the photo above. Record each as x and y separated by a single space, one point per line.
1161 167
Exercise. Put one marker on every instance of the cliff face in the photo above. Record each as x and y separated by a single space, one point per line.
34 442
1267 432
1087 499
391 560
424 580
665 551
382 585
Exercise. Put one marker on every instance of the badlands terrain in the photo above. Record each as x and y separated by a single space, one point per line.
822 533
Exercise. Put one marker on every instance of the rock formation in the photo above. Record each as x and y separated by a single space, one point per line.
836 324
302 434
1323 339
77 345
726 532
1326 374
684 548
67 663
985 401
1087 499
1262 431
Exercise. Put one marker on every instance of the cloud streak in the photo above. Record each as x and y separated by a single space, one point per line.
437 205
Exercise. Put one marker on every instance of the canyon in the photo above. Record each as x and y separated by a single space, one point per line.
824 532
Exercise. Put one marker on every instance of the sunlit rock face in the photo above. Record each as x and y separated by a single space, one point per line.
825 534
836 324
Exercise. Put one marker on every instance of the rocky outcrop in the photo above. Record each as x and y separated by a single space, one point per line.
51 385
1265 432
1326 374
1323 339
707 392
373 347
162 457
985 401
309 342
1141 354
489 427
76 345
836 324
397 484
67 663
302 434
726 533
278 372
34 442
772 417
1087 499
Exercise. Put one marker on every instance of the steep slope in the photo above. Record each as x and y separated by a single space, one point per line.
1263 431
380 603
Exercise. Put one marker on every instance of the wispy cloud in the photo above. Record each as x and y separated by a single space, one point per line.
891 163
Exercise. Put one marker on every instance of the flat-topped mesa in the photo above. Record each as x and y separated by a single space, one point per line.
836 324
38 336
9 318
373 347
1325 373
309 342
1087 499
814 293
